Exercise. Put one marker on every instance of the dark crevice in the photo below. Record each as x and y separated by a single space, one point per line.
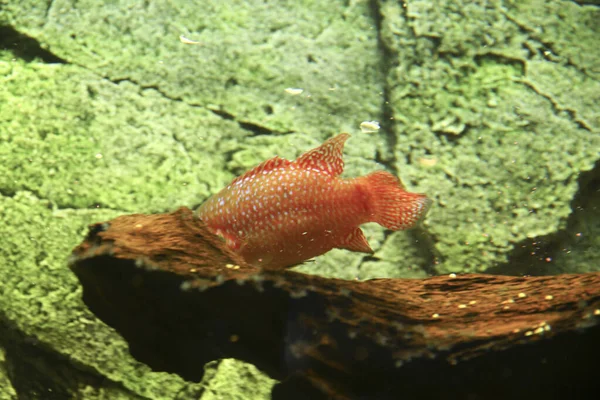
154 87
231 82
223 114
502 59
7 193
387 60
556 107
157 89
48 10
453 138
25 47
535 256
268 109
255 129
531 50
426 245
389 163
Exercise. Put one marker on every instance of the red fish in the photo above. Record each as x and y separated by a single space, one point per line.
282 212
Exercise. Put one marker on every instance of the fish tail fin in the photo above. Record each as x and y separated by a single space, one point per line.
391 205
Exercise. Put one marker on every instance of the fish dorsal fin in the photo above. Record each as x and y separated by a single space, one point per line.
356 241
327 157
269 165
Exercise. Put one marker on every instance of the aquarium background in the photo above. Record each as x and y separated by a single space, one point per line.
120 107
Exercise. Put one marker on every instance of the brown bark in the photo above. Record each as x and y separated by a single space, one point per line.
181 299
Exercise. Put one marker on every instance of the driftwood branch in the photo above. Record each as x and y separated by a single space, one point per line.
181 299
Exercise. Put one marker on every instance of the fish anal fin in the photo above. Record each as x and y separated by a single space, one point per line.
327 157
356 241
269 165
232 241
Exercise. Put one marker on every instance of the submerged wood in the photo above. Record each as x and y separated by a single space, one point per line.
181 298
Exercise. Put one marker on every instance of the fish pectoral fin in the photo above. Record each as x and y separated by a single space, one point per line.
356 241
233 242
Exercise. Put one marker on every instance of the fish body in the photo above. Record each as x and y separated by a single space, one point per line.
282 212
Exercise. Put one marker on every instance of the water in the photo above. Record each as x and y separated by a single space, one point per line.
120 107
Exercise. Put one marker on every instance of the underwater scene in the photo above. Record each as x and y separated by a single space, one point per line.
260 199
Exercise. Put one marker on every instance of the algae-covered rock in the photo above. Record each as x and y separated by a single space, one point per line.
249 52
81 141
487 122
235 380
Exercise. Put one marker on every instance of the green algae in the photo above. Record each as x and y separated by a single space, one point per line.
506 140
84 141
235 380
249 53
